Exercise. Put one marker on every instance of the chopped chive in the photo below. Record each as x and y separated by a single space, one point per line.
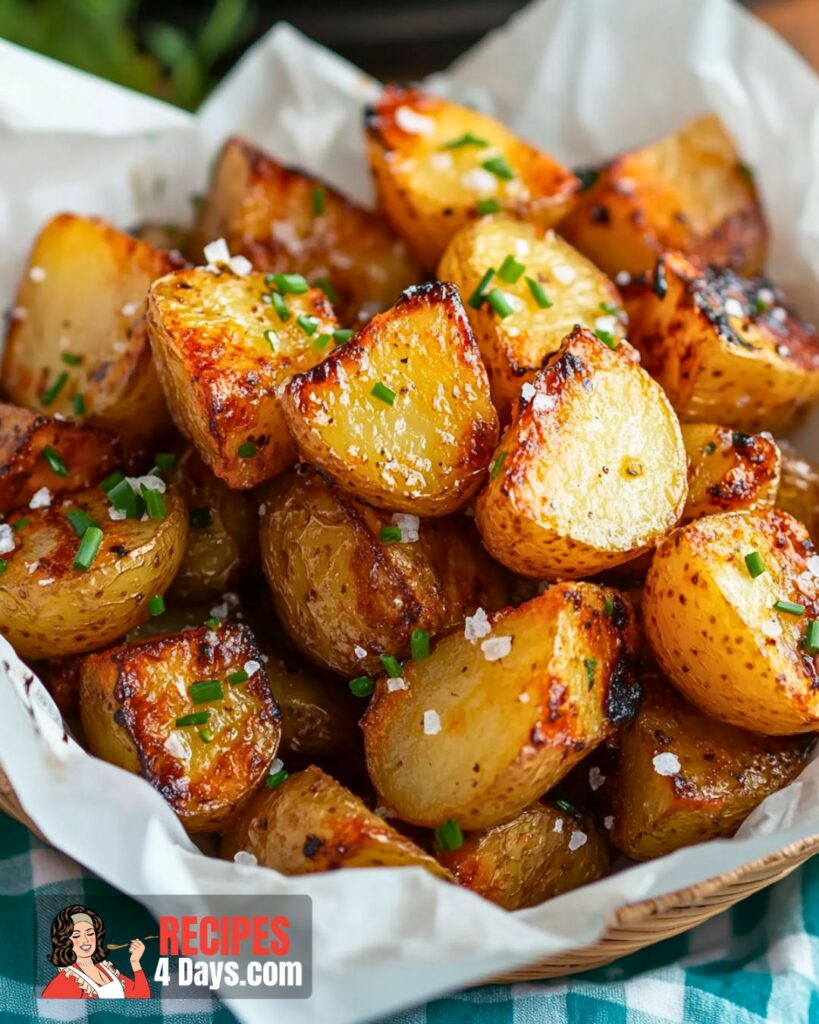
165 461
587 176
591 667
125 499
419 644
3 566
326 286
88 549
511 270
497 465
498 166
710 448
78 403
239 676
276 779
206 735
608 605
609 307
539 293
342 334
380 390
70 359
199 517
111 481
746 172
812 637
391 664
790 607
754 564
156 605
154 502
467 139
20 523
448 836
51 393
608 339
280 305
477 297
272 339
500 303
196 718
389 534
363 686
246 450
319 200
212 623
309 324
80 521
55 463
289 284
487 206
205 690
321 342
564 805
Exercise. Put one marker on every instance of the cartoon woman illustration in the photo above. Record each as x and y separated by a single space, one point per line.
78 953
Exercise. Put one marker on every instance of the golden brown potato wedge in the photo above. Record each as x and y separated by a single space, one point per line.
729 471
437 164
724 348
500 712
50 608
688 191
683 778
548 288
541 853
593 470
401 415
223 536
77 342
312 823
713 614
347 590
39 451
286 221
137 702
224 353
799 488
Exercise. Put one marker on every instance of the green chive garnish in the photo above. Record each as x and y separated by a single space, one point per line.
80 521
321 342
499 302
326 286
78 403
289 284
156 605
487 206
3 566
154 502
51 393
272 339
196 718
710 448
276 779
591 666
510 270
110 482
309 324
342 334
391 665
467 139
277 299
319 200
390 534
206 690
89 546
497 465
20 523
246 450
212 623
790 607
754 564
55 463
199 517
745 171
538 293
448 836
165 461
812 637
564 805
381 391
125 499
70 359
477 297
419 644
498 166
362 686
608 605
609 307
608 339
206 735
239 676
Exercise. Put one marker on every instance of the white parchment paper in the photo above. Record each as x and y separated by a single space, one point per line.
584 78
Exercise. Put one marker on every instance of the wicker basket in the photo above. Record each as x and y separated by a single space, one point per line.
633 926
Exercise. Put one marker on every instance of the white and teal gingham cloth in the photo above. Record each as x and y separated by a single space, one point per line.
757 962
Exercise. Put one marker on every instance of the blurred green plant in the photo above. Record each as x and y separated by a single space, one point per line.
100 36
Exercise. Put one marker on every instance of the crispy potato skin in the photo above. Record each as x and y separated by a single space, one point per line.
724 774
687 192
268 213
720 356
337 586
426 454
515 347
511 728
799 488
527 860
62 680
713 627
728 470
132 695
79 611
312 823
90 304
216 555
222 377
551 510
428 191
87 453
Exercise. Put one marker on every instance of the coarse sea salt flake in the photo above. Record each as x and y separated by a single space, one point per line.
432 722
558 825
409 526
242 857
481 181
41 498
46 582
476 626
397 683
359 652
276 766
666 763
813 565
771 628
733 307
527 392
412 123
216 252
496 647
130 309
608 822
596 778
577 839
563 273
37 274
117 514
252 667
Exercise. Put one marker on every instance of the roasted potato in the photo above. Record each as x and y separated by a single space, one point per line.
437 165
77 342
139 705
49 607
61 677
224 353
591 473
347 590
401 415
548 288
724 348
688 191
311 823
285 221
59 455
223 536
683 778
541 853
499 713
729 471
799 488
727 608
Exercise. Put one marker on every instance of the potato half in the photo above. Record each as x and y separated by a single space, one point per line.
591 473
799 488
688 191
436 164
493 719
346 593
713 615
49 608
401 415
77 342
549 287
224 353
139 705
312 823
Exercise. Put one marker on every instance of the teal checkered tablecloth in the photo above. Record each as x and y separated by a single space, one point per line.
757 962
